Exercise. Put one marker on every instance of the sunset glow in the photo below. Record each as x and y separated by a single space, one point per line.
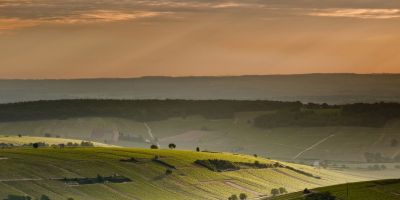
82 39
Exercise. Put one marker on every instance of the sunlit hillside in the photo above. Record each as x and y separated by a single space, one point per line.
60 173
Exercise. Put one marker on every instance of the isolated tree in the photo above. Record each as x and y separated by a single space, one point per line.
44 197
35 145
153 146
19 135
233 197
198 149
172 146
243 196
274 192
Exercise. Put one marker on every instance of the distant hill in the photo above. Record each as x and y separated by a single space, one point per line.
319 88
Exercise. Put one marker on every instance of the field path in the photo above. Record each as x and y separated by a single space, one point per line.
150 132
312 146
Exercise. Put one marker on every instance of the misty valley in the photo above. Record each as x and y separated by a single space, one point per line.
305 144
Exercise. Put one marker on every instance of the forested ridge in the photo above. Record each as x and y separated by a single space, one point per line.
283 114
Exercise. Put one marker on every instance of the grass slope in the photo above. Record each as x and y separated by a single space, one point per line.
19 141
371 190
33 172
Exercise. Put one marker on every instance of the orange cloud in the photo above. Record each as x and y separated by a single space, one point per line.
227 5
15 23
359 13
89 17
105 16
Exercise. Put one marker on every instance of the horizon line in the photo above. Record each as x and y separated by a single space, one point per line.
190 76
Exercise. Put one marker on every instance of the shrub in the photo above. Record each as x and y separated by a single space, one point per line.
218 165
87 144
275 192
100 179
172 146
306 191
282 190
233 197
168 171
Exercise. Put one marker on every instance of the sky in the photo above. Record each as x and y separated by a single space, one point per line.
41 39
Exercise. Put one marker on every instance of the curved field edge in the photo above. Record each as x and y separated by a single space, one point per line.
369 190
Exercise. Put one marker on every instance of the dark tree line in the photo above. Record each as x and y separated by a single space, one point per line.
363 115
140 110
285 114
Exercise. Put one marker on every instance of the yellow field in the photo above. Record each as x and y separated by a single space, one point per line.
18 141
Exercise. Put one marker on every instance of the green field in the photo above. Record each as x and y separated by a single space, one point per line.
35 172
371 190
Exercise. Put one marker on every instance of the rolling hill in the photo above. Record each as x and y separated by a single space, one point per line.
371 190
132 173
